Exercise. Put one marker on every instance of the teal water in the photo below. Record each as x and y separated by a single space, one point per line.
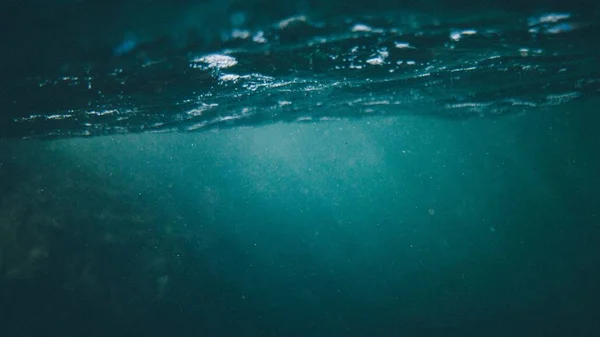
300 168
440 62
397 226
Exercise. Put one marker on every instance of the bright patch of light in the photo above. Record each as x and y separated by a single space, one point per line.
375 61
380 59
402 45
361 28
259 37
199 111
240 34
548 18
458 34
229 77
217 61
285 23
101 113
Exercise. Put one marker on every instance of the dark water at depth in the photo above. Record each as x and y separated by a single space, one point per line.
266 168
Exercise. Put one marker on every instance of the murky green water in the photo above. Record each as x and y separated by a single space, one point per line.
350 174
399 226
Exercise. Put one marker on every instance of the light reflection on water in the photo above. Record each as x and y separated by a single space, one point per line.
392 64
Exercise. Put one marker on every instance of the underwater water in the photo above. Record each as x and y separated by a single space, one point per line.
261 168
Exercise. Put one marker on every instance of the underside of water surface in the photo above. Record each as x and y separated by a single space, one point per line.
211 66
